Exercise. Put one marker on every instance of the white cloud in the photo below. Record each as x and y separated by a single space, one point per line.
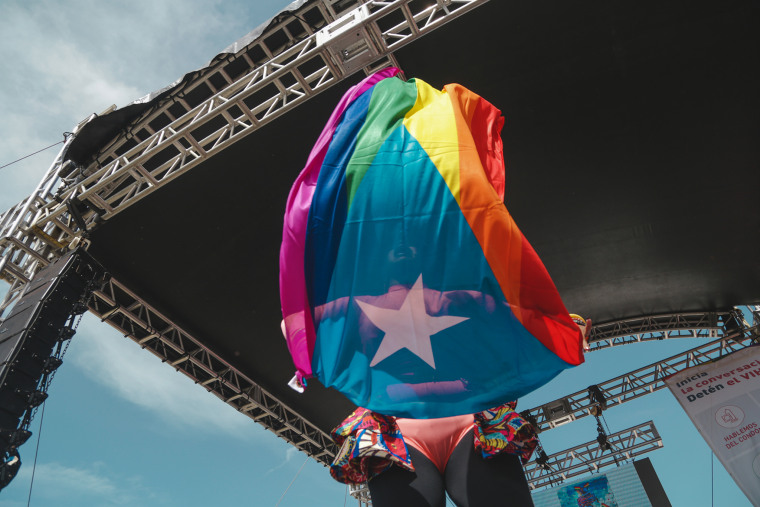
49 84
54 480
86 481
142 379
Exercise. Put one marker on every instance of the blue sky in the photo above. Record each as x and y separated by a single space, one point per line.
121 428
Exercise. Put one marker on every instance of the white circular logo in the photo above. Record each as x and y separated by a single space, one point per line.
729 416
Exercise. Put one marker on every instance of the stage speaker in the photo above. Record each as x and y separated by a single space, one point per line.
31 338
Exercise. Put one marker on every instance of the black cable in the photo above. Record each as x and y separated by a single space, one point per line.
36 451
27 156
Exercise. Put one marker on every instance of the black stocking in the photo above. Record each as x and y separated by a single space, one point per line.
470 479
397 487
474 481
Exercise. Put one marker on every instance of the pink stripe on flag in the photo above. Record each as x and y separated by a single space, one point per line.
299 328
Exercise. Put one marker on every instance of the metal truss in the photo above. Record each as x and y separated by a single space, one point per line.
25 249
361 493
635 384
591 456
656 327
755 312
123 310
298 57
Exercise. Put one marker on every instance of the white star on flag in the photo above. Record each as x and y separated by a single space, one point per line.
410 327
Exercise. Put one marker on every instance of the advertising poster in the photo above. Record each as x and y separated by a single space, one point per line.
594 492
722 398
633 484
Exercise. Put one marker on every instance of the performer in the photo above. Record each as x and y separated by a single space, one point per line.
406 285
475 458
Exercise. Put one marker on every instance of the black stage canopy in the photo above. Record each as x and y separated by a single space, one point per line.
633 168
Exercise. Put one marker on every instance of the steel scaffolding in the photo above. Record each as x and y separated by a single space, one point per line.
656 327
591 457
635 384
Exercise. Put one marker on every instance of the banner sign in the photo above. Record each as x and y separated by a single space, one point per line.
722 399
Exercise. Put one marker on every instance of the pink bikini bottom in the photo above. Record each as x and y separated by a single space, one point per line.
436 438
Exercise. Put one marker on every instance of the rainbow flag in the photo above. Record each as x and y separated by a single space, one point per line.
405 284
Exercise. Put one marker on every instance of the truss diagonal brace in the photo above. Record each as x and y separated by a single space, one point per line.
123 310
